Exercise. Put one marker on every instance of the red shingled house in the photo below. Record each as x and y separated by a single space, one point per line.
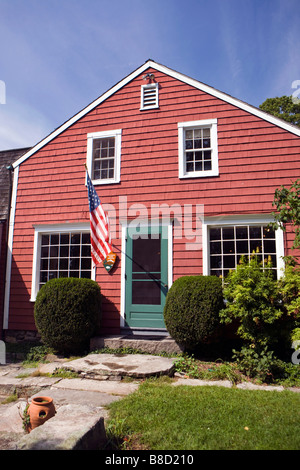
169 156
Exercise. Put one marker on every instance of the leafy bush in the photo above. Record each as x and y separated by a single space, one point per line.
67 312
256 364
251 296
192 308
289 290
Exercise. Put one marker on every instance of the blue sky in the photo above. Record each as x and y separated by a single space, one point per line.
57 56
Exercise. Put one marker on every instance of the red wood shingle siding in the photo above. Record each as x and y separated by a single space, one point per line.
255 157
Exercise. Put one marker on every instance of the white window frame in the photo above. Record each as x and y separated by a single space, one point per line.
211 222
117 134
145 88
184 126
39 230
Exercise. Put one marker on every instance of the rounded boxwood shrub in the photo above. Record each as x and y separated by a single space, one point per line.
67 312
192 308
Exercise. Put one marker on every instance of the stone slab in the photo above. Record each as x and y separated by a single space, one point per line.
98 386
132 365
198 382
147 344
74 427
11 417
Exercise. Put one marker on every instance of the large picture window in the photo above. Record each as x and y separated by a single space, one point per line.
225 244
60 253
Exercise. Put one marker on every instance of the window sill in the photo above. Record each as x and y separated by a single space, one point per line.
202 174
104 182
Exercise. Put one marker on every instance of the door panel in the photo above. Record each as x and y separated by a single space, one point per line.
146 279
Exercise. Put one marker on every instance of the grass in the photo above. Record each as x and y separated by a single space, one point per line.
163 417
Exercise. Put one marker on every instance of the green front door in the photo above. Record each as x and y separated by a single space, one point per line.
146 276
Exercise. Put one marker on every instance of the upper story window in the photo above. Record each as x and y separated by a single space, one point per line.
149 96
104 156
198 149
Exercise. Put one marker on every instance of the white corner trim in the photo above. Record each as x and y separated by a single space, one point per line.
10 248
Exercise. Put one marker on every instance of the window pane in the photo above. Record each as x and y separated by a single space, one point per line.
64 251
216 262
53 251
242 246
54 240
255 232
45 239
44 264
241 232
255 245
64 263
229 261
75 238
228 233
64 238
44 251
215 248
228 247
269 246
207 166
215 234
268 232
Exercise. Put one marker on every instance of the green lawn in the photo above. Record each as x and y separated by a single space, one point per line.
163 417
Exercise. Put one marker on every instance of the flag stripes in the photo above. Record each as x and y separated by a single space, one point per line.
100 236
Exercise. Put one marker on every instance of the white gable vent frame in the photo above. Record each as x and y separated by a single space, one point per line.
149 96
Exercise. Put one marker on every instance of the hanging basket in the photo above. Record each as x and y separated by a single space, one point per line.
40 410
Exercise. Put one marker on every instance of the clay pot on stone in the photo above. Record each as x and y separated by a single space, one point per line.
40 410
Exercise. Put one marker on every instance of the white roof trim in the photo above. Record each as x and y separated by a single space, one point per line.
179 76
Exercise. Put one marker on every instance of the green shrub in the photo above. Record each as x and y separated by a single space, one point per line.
192 308
289 289
67 312
252 300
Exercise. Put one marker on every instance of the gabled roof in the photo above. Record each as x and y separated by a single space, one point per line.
179 76
7 158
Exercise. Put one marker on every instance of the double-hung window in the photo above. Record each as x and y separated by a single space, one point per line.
198 149
104 156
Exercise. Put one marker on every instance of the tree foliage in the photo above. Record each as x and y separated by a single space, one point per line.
287 203
284 108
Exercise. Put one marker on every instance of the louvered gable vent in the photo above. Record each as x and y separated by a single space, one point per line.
149 96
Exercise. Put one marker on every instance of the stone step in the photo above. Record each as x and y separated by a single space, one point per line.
147 344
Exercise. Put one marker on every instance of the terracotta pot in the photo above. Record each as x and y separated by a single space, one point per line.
40 410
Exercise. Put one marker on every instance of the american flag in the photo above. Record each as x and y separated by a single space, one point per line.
100 237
